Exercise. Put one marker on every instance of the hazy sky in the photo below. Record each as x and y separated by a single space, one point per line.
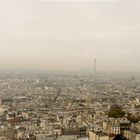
64 35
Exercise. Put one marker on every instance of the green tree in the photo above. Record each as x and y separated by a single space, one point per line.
116 112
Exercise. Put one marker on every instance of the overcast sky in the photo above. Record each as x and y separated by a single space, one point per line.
64 35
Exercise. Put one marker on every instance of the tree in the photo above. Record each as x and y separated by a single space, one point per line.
119 137
116 112
134 119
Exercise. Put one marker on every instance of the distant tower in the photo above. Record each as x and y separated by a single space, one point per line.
95 65
95 70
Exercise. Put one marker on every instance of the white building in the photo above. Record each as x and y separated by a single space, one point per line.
115 130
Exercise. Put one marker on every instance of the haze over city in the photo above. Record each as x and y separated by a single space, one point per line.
67 36
69 70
